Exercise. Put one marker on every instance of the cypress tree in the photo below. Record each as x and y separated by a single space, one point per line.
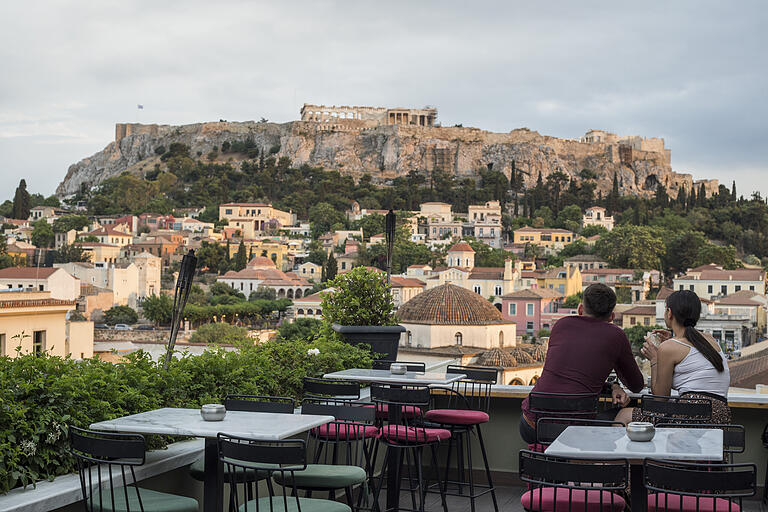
21 201
733 191
702 195
517 206
331 267
692 199
240 257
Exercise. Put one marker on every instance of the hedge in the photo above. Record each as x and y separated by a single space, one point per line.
41 395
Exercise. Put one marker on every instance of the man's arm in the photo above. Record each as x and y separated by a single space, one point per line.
626 367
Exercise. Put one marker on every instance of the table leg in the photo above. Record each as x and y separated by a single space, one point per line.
393 465
638 492
212 495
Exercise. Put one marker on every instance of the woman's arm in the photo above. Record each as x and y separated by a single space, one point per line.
662 369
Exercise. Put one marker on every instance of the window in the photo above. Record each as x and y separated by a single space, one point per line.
729 339
501 338
497 290
343 265
529 327
2 344
40 287
410 338
751 288
459 338
228 211
632 320
38 342
529 309
513 310
646 321
476 288
718 335
737 288
300 312
710 289
724 289
681 287
690 287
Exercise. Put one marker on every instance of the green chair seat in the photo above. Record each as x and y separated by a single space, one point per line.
151 500
323 476
197 471
306 504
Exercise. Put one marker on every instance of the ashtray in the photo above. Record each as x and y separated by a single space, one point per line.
641 431
398 368
213 412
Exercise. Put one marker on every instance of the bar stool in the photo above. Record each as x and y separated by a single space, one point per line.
468 404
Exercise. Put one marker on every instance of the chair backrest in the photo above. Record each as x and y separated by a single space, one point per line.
338 389
547 429
665 409
240 454
474 391
353 429
734 436
257 403
699 484
106 457
396 398
541 471
562 405
412 366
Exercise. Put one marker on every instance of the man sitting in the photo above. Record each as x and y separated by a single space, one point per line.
582 352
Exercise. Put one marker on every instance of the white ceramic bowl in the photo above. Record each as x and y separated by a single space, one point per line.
213 412
641 431
398 368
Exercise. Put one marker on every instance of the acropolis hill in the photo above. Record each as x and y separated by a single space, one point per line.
390 142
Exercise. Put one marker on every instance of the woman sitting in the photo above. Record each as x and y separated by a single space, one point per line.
686 360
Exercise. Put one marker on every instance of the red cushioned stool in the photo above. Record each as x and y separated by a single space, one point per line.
468 401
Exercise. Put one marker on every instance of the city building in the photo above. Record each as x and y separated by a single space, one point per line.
94 301
310 305
551 239
310 271
261 271
451 315
712 281
596 216
585 262
59 284
111 235
533 309
404 289
36 322
485 222
159 246
644 315
255 218
745 304
563 280
101 253
270 248
48 213
122 279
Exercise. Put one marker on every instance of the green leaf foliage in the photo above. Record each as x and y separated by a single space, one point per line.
121 315
360 297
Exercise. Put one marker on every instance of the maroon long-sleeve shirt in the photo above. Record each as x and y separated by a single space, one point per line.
582 352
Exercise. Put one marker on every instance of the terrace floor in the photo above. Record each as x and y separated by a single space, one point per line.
509 501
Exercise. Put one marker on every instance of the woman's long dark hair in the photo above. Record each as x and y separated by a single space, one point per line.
686 308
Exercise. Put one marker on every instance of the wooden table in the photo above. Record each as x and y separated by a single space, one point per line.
393 415
607 443
262 426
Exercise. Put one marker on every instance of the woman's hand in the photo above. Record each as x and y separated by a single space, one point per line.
662 334
650 351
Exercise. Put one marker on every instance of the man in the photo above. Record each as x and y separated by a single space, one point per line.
582 352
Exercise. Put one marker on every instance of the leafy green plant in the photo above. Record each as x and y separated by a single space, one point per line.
360 297
121 315
221 333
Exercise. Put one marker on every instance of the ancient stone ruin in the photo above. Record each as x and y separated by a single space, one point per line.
346 118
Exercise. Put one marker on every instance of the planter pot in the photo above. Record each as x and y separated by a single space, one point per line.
383 340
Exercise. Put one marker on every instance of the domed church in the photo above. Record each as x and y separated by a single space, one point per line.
450 315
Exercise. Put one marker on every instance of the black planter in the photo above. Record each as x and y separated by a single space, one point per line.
383 340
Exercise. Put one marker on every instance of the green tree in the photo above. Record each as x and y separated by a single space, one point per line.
331 267
573 301
628 246
5 259
682 250
636 335
67 222
121 315
212 256
302 329
592 230
21 201
322 216
262 293
71 253
241 258
158 309
42 234
721 255
220 334
360 297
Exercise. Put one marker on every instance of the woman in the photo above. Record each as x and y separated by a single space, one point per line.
687 360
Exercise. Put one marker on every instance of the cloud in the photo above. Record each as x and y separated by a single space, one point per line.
689 71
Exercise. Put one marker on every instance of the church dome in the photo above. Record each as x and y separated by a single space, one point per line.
522 356
496 358
449 304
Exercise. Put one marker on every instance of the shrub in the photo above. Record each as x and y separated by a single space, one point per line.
220 333
360 297
121 315
43 394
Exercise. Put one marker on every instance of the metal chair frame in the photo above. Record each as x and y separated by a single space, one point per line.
541 471
337 389
668 409
731 482
260 403
561 405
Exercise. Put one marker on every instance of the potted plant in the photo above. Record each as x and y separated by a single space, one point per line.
360 310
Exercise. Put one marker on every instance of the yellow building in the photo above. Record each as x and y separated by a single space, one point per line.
272 249
639 315
37 323
253 218
545 237
101 252
564 280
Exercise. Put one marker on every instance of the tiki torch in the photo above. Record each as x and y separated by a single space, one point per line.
389 234
183 285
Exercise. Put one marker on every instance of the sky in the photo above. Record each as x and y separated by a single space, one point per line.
694 72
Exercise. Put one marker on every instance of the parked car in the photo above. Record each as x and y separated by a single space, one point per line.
145 327
100 326
123 327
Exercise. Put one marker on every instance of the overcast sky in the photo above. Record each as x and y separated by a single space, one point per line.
693 72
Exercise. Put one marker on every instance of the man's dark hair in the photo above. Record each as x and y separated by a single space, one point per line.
599 301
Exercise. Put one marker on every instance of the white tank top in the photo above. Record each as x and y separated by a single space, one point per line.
696 374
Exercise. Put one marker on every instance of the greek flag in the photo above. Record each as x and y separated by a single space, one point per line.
140 107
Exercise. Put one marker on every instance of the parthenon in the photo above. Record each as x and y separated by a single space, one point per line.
359 117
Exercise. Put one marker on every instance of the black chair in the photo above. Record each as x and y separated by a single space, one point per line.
734 436
248 403
670 409
563 405
468 403
342 450
685 486
278 459
111 458
338 389
765 445
412 366
547 429
570 484
407 435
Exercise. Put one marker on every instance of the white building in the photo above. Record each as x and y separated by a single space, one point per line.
596 216
711 281
261 271
123 279
62 285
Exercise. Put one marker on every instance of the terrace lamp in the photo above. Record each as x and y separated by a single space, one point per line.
180 296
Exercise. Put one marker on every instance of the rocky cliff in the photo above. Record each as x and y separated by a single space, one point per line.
386 152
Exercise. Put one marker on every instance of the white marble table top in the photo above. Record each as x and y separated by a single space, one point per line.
264 426
612 443
387 377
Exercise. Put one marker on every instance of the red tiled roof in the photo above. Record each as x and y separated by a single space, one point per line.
664 293
449 305
527 229
405 282
741 298
641 310
749 371
533 293
261 261
245 204
712 272
26 272
461 247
